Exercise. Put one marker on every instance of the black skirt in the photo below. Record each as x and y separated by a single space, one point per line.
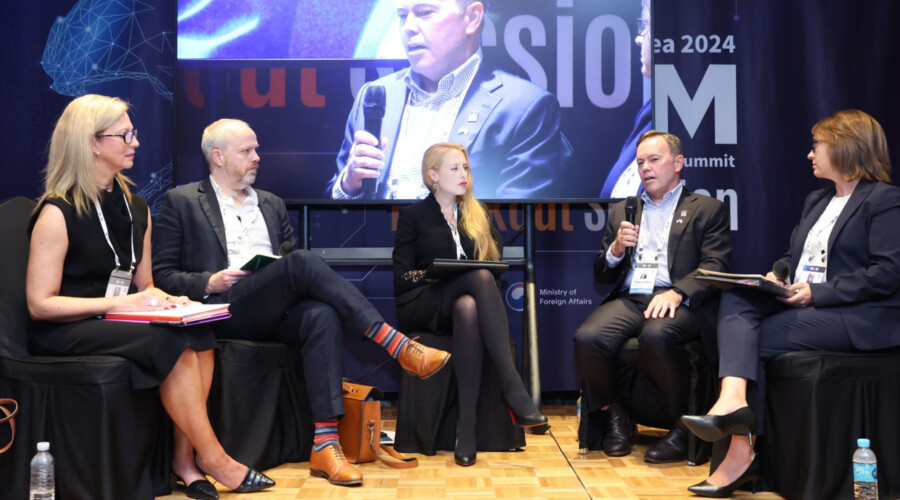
153 350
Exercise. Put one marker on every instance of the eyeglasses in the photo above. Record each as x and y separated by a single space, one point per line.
815 144
127 136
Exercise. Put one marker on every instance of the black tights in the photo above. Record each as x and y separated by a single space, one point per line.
474 303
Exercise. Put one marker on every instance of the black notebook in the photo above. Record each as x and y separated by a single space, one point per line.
750 281
442 268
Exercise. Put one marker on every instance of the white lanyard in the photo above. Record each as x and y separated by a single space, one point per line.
106 232
459 249
658 241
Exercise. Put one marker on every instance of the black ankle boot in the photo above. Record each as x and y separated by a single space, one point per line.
620 431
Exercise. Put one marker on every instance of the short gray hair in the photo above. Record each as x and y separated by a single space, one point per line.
214 135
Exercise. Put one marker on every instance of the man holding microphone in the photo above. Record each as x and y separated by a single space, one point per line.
650 261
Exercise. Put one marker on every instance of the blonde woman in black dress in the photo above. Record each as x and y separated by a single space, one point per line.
451 224
90 255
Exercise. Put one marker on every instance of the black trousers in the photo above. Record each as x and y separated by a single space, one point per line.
601 336
755 327
302 302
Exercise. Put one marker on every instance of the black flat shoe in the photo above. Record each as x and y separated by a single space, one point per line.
715 427
705 489
533 420
465 459
201 488
254 481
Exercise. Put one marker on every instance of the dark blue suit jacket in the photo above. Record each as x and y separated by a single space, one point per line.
863 276
701 240
516 149
189 237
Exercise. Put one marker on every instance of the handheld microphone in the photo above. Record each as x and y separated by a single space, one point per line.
373 112
631 205
781 271
285 248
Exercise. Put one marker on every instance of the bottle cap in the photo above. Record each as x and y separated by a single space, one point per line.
862 443
43 446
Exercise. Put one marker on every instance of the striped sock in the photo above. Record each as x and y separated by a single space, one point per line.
392 340
326 434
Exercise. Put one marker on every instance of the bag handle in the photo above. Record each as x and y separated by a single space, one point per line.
395 459
11 418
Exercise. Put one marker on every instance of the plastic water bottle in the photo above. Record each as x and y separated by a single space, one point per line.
865 472
43 485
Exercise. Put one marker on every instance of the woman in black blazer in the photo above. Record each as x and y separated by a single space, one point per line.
844 259
451 224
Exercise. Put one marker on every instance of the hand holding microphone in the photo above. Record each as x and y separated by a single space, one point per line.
627 236
366 157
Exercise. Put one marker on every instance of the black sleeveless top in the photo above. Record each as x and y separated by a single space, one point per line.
89 260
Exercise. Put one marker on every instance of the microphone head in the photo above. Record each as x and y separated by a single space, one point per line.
631 205
373 101
781 270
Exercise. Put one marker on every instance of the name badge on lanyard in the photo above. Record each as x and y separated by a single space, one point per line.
812 274
644 278
119 283
119 279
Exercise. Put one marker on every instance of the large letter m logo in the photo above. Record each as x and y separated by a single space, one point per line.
718 87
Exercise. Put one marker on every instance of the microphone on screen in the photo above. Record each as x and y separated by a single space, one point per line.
631 205
373 112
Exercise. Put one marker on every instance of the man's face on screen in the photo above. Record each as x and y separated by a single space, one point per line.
660 171
437 34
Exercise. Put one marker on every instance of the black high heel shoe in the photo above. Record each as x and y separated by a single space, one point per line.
533 420
201 488
464 459
705 489
715 427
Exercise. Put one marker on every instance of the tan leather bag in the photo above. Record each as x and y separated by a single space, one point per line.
11 418
360 429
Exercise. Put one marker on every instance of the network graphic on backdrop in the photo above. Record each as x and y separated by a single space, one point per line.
97 42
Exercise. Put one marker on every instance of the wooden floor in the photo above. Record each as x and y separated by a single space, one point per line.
549 468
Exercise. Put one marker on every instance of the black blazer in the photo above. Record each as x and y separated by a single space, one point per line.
189 237
422 236
701 240
863 275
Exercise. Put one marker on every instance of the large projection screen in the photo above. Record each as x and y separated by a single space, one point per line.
293 69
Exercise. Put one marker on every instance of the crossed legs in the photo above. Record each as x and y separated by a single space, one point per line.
480 325
184 393
752 329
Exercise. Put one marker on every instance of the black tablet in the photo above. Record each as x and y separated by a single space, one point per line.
442 268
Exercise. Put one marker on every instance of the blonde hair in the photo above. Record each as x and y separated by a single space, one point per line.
476 221
857 145
214 136
71 167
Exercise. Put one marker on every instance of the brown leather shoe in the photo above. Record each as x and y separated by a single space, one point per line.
422 361
330 463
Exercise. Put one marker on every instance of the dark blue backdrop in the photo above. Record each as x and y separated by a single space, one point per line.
792 63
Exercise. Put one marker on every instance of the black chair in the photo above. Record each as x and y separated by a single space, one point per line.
106 438
428 410
646 403
818 404
258 403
